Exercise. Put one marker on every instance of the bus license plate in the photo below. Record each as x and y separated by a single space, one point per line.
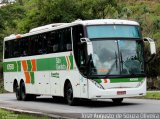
121 92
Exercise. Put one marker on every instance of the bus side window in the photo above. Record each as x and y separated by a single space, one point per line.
50 39
79 52
44 43
61 40
68 44
24 45
16 50
56 42
33 46
41 44
6 52
11 49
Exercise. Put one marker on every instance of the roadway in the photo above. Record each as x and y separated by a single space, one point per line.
46 105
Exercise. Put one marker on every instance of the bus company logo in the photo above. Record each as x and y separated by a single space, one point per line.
133 79
56 75
10 66
60 65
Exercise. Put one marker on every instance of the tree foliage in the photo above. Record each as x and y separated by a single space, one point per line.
23 15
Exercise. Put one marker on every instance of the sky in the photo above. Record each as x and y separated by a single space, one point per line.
8 0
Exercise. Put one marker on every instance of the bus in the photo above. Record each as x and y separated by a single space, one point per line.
84 59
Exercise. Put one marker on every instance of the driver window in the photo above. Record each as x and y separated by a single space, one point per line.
79 52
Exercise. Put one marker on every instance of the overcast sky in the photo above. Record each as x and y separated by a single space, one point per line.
8 0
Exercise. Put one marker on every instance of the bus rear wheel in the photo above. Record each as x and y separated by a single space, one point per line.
69 94
17 91
117 100
23 94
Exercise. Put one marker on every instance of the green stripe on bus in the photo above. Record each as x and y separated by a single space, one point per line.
19 65
71 61
46 64
118 80
98 80
32 77
29 65
57 63
10 66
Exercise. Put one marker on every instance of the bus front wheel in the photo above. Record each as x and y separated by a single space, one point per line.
69 94
117 100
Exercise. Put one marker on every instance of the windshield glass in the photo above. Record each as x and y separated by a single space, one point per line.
117 57
113 31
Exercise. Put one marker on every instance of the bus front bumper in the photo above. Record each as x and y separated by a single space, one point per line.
97 93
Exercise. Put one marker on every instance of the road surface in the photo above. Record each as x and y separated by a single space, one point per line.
46 105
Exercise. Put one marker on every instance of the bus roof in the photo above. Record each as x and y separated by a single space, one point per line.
106 21
55 26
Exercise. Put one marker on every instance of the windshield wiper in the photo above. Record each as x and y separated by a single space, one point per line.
115 63
89 65
121 61
116 60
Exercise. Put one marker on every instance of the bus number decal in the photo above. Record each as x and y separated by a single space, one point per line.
10 66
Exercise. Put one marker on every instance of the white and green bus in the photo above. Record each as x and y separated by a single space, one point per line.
90 59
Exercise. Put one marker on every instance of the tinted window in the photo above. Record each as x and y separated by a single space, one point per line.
45 43
113 31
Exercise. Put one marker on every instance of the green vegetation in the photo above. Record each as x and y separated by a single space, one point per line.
23 15
13 115
2 86
152 95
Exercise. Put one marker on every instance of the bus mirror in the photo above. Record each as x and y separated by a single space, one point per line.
89 46
152 45
84 40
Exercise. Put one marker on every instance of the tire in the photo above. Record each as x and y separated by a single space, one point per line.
24 96
69 95
117 100
23 92
18 93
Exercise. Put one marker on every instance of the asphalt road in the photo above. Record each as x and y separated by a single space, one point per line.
45 104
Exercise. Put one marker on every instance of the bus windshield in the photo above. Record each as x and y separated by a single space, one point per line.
117 57
116 31
117 50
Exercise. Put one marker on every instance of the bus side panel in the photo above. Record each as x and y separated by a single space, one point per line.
73 77
9 78
83 87
8 82
58 79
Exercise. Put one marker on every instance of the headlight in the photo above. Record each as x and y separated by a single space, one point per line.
97 84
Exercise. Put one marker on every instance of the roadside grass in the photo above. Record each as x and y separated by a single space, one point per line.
2 86
152 95
4 114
